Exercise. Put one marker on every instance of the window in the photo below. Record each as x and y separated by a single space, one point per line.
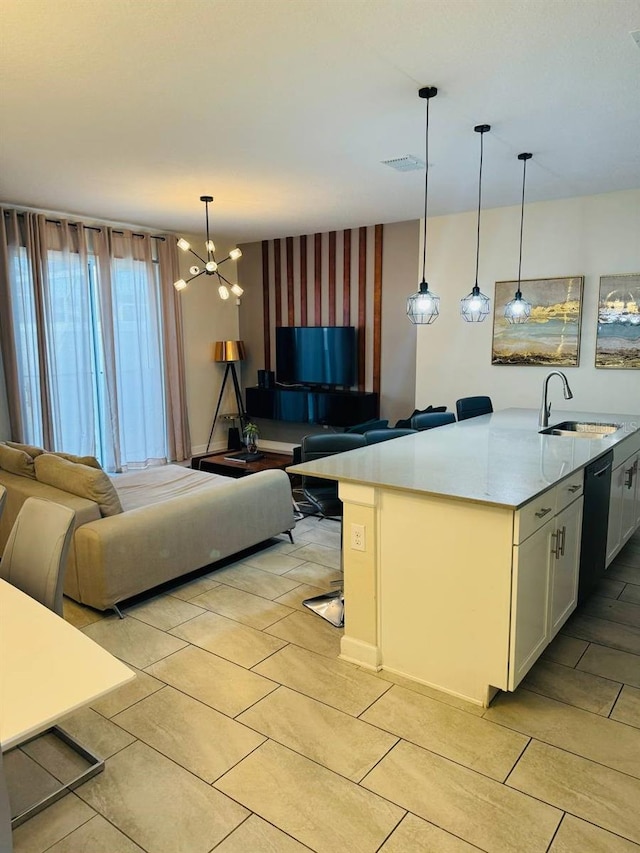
89 348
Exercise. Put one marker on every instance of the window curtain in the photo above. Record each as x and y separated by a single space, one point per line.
92 341
178 436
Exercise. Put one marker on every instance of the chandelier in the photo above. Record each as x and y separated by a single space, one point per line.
210 265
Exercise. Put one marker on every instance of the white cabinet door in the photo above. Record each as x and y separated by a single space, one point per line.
629 490
529 601
614 531
565 564
637 479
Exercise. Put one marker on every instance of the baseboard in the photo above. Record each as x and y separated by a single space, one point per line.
215 447
361 653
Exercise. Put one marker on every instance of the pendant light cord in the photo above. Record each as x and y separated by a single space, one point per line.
206 215
426 192
524 175
479 205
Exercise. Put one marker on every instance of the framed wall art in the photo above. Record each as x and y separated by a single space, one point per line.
551 336
618 335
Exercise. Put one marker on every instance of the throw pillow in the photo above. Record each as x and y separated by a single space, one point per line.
91 461
16 461
80 480
405 423
27 448
367 425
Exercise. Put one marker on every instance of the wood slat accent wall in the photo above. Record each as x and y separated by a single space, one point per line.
277 281
377 307
290 307
266 306
362 305
305 284
346 279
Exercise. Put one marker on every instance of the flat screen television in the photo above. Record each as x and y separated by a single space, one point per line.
316 355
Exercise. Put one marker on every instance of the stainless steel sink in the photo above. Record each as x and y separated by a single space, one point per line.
581 429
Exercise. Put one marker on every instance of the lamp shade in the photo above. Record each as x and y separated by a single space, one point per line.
229 351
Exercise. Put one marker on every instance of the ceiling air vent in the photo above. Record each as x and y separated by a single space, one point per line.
408 163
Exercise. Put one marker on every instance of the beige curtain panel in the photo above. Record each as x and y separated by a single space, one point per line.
92 342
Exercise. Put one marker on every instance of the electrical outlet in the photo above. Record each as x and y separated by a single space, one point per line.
357 537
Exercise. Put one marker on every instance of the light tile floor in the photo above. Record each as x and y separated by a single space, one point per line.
244 732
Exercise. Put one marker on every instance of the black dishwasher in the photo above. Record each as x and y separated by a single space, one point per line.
595 521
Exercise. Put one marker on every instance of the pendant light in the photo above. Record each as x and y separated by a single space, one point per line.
424 306
519 310
475 306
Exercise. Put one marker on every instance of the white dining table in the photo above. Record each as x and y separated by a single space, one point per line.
48 669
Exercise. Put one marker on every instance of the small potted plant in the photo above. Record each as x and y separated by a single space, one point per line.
251 433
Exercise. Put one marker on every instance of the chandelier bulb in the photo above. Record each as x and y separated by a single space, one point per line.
234 254
209 246
237 290
180 284
183 244
211 266
223 291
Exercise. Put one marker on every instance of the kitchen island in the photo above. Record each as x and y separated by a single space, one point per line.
471 545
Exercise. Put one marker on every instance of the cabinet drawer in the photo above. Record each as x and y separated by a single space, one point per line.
569 489
533 515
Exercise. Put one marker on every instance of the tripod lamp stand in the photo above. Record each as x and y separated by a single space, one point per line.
227 353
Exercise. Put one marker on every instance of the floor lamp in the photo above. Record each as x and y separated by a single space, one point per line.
227 353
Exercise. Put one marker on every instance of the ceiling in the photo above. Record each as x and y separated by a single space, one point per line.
130 110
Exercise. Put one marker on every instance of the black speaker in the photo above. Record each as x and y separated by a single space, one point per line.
266 379
234 441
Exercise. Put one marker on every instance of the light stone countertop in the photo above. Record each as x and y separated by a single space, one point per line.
499 459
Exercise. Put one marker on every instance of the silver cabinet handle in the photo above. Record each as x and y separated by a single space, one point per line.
542 512
563 533
629 472
575 488
555 550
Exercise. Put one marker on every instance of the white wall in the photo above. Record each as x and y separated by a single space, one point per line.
590 236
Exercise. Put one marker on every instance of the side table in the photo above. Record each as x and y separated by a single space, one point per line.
217 464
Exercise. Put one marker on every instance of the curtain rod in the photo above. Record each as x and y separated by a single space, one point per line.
93 227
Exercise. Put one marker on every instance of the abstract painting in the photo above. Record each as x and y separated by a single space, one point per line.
551 336
618 336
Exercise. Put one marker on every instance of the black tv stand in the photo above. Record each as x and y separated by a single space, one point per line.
312 405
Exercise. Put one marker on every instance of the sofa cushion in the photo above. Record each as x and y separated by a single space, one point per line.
16 461
82 480
91 461
27 448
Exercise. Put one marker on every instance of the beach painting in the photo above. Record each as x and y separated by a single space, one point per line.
618 336
551 336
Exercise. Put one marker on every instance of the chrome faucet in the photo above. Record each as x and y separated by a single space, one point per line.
545 408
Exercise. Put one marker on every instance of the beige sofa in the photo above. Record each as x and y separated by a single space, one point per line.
174 520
